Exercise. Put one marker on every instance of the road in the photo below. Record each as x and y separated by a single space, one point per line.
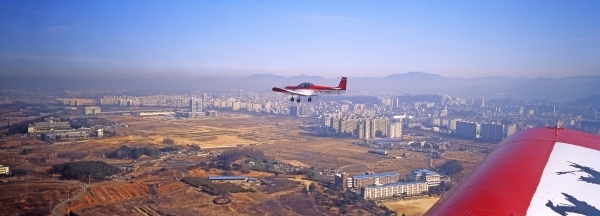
55 211
457 140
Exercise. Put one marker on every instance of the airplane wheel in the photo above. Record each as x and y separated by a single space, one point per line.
309 99
292 99
298 100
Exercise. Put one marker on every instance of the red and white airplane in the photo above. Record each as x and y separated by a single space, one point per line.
539 171
309 90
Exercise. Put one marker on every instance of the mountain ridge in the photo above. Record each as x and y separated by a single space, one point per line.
556 89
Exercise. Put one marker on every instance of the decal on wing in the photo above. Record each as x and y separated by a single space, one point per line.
570 183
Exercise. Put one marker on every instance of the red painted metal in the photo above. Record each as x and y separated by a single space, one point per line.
504 182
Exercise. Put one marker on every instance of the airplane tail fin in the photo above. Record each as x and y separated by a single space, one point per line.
342 84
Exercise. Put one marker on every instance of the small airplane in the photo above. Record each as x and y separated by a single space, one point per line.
309 90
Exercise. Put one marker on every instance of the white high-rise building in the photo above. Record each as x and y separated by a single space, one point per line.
395 130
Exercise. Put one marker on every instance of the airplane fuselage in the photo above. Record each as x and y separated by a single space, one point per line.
308 90
317 91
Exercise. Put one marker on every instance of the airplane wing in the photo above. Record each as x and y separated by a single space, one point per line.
539 171
287 91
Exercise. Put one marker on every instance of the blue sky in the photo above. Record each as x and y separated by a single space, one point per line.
326 38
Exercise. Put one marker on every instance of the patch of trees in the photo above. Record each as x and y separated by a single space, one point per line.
168 141
451 167
135 153
241 167
349 202
26 151
80 170
214 189
236 154
110 133
169 149
309 173
312 187
36 211
20 127
79 123
195 147
226 159
223 165
441 189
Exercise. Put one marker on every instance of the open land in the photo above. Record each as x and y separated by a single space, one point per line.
415 207
155 187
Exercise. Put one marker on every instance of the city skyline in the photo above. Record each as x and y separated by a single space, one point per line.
330 39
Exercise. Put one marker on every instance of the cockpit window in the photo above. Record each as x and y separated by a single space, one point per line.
304 85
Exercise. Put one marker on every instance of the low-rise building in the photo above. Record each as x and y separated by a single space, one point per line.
342 180
39 127
4 170
423 175
394 189
360 181
81 133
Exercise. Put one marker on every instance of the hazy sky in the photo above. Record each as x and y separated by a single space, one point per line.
326 38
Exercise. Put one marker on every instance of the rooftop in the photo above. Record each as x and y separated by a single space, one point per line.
394 184
376 175
424 171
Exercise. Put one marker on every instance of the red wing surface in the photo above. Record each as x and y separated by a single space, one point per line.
540 171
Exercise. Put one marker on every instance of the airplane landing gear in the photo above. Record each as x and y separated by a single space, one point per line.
292 99
309 99
298 99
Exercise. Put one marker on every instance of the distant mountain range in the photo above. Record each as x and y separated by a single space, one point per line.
554 89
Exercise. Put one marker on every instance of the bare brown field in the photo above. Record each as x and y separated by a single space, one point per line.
204 132
342 154
287 143
18 197
108 192
411 207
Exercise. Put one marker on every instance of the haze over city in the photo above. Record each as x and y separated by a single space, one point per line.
320 108
462 39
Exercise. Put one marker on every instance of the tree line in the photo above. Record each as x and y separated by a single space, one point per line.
214 189
450 167
135 153
82 170
349 202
